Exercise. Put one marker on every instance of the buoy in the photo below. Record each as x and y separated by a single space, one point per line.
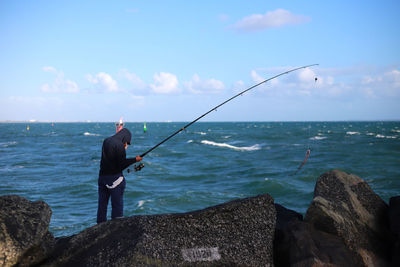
119 125
27 128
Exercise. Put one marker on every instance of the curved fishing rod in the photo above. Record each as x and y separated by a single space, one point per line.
139 167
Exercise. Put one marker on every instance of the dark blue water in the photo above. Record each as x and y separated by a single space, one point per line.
207 164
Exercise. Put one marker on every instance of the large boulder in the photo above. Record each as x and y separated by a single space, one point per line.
236 233
394 220
298 243
24 236
284 216
344 205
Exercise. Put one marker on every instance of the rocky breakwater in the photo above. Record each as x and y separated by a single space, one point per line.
236 233
347 224
24 236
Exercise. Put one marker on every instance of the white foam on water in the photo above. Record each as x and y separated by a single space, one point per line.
200 133
318 138
189 141
352 133
246 148
90 134
141 202
7 144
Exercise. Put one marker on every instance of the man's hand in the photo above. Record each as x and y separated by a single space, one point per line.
138 158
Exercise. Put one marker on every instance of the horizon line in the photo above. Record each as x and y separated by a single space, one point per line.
183 121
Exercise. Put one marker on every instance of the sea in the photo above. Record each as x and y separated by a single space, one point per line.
207 164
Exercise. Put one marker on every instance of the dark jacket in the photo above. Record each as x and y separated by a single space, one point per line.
113 156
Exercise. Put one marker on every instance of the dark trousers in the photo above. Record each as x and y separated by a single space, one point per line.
116 193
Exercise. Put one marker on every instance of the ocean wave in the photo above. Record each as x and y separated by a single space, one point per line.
386 136
7 144
246 148
90 134
352 133
200 133
318 138
141 203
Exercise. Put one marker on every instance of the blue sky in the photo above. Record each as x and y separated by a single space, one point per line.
174 60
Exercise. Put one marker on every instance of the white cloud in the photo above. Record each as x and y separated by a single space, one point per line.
198 86
306 75
49 69
165 83
104 80
238 86
386 83
60 84
347 83
271 19
135 80
30 107
302 82
394 77
258 78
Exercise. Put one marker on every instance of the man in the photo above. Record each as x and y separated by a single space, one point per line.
111 180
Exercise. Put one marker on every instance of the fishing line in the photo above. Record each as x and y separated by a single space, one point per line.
308 152
141 165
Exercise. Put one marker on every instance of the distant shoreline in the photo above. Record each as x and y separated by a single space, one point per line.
205 121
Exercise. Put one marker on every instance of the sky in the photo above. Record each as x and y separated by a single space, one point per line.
175 60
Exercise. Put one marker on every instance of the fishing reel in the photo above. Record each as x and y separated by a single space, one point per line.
137 167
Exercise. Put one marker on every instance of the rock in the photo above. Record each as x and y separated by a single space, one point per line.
297 243
24 236
394 220
281 249
344 205
300 244
284 216
236 233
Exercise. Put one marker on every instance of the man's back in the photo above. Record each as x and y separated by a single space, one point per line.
113 155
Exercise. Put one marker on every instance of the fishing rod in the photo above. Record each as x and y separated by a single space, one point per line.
141 165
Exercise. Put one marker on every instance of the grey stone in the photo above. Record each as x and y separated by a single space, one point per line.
297 243
344 205
284 216
394 220
236 233
24 236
